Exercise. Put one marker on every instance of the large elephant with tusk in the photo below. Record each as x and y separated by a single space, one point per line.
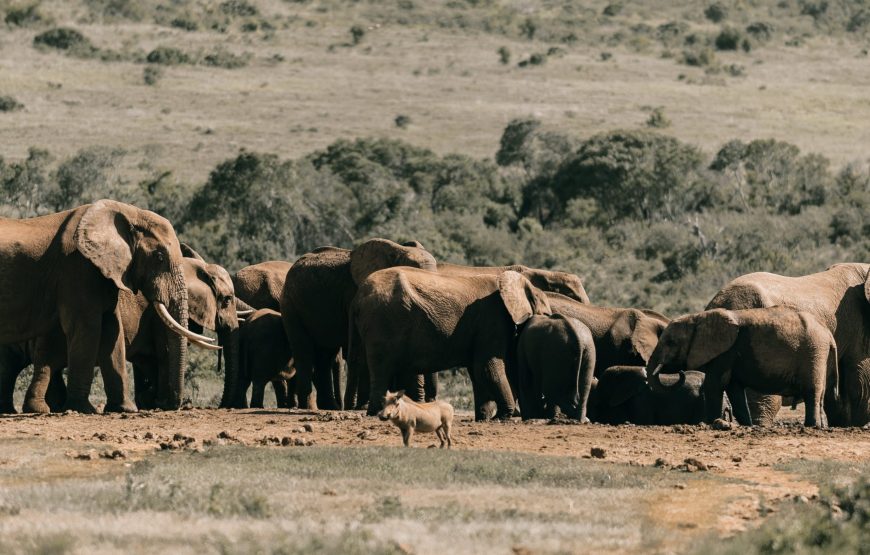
66 271
147 334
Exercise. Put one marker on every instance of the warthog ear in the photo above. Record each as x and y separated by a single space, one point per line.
400 394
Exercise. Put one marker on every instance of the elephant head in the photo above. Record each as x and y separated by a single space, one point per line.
138 251
213 306
612 390
692 341
521 299
639 332
378 254
558 282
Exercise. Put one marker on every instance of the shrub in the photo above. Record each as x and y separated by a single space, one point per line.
402 121
24 16
151 74
657 119
859 21
226 59
240 8
611 10
669 33
356 34
62 38
504 55
9 104
728 39
699 57
716 12
631 174
760 31
528 28
184 23
167 56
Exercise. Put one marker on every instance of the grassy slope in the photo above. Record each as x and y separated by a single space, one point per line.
449 81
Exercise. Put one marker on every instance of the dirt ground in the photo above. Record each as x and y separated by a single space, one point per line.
746 456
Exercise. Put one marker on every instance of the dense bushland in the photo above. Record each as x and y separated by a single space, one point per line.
646 219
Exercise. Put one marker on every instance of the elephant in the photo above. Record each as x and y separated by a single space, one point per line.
211 305
621 394
623 336
407 321
265 356
838 297
546 280
775 350
555 362
317 294
260 285
68 269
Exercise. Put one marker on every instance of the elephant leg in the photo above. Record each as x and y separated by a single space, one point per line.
763 408
113 365
713 396
430 381
337 366
737 395
56 394
304 386
281 394
414 386
492 382
34 399
323 380
10 369
144 383
380 376
257 392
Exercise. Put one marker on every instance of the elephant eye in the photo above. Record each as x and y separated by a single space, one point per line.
225 302
160 256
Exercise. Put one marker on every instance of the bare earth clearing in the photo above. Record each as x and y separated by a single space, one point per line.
627 503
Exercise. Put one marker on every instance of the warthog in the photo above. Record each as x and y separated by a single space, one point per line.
411 417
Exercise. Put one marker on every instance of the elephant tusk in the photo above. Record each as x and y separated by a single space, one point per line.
178 328
206 346
657 369
244 313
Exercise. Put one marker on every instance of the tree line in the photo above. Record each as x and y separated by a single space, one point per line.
644 218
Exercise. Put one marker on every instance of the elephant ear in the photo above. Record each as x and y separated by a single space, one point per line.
867 287
202 304
188 252
105 236
638 330
521 298
715 332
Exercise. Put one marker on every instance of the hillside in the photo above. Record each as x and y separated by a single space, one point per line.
305 85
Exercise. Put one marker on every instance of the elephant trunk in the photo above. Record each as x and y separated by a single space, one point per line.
229 340
177 343
655 379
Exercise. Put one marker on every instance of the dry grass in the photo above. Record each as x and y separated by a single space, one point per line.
244 499
448 81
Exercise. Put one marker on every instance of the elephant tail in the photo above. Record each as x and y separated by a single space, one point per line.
834 368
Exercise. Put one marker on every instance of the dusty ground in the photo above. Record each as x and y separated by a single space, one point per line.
741 485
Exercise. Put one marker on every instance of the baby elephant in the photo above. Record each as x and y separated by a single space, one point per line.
774 350
411 417
555 363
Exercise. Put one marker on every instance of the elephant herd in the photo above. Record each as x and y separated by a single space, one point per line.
108 283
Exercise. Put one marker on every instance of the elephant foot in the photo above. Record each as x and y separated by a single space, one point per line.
80 405
126 406
36 405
